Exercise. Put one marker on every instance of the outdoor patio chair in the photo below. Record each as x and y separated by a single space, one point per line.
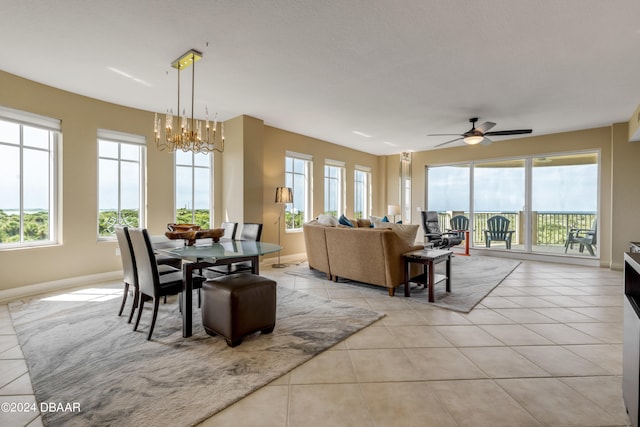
498 230
585 237
459 223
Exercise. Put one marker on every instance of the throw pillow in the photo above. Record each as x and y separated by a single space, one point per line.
406 232
364 223
373 219
344 221
327 220
385 219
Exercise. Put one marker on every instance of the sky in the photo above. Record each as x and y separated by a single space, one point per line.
554 189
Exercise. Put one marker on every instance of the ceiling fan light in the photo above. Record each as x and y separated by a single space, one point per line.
473 140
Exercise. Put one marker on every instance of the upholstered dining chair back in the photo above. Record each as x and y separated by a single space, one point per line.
251 231
230 229
126 256
148 278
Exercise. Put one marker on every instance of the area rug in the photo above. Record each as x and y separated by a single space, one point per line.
81 352
472 279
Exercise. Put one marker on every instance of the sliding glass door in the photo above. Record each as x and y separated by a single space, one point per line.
532 204
448 192
499 191
564 203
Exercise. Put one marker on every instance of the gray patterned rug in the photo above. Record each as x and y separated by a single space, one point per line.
473 278
82 352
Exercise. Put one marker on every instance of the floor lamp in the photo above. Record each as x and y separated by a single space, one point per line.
283 195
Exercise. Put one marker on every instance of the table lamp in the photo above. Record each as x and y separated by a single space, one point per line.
393 210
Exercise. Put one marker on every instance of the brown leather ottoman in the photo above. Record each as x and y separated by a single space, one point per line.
237 305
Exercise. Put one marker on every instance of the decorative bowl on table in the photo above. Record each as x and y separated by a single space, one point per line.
190 236
182 227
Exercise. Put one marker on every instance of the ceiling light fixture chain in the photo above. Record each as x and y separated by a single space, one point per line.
189 135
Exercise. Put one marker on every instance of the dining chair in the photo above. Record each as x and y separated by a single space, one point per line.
152 285
130 278
230 229
251 231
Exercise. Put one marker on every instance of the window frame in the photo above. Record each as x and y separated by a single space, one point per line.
54 129
128 139
366 191
339 182
193 167
307 189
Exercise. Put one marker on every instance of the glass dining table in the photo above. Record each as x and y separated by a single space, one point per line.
200 256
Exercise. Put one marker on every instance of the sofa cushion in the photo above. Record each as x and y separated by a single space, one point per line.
407 232
327 220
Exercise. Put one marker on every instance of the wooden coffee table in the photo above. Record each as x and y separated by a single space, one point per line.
428 258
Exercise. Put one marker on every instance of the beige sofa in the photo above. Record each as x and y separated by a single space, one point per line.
368 255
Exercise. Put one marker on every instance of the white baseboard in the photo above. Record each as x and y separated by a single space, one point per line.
71 282
40 288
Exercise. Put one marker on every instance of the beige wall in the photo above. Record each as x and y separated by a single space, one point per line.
250 169
276 143
245 177
80 253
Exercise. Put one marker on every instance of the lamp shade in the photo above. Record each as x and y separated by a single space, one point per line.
473 140
284 195
393 209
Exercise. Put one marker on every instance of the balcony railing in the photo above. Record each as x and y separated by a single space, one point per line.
549 228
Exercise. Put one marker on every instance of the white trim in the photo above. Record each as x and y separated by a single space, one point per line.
300 156
335 163
362 168
39 288
27 118
115 136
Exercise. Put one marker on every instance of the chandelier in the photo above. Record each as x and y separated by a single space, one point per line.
188 134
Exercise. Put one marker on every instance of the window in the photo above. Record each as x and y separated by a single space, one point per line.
193 188
333 187
362 190
120 181
28 178
544 199
298 178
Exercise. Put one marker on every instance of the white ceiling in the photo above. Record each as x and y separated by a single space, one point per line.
396 70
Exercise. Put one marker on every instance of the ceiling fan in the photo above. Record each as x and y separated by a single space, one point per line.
477 135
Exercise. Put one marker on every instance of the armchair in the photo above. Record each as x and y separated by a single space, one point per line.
433 234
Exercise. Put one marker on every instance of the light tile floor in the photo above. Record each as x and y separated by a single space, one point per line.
543 349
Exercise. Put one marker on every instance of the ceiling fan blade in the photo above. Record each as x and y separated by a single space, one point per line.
509 132
444 134
486 141
448 142
485 127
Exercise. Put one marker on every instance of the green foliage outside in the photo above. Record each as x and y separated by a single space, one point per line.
36 227
107 220
293 220
200 217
